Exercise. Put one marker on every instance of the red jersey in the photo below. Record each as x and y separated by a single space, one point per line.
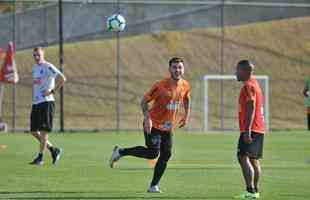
251 91
167 95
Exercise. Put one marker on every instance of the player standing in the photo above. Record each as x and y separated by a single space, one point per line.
306 94
251 123
166 97
46 80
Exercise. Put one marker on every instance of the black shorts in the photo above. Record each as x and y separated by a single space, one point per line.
42 116
253 150
158 140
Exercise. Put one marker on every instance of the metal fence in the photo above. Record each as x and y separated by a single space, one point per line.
210 35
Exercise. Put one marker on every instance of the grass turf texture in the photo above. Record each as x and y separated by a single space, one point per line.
202 167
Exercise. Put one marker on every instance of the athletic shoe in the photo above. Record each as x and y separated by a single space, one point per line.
256 195
37 161
154 189
115 156
56 154
247 195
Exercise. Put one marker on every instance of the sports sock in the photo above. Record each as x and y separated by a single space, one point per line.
51 148
250 189
40 156
159 170
138 151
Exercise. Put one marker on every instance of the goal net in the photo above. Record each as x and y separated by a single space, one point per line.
218 107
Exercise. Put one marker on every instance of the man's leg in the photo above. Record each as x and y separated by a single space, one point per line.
165 154
248 172
44 140
308 117
36 134
140 152
257 171
151 151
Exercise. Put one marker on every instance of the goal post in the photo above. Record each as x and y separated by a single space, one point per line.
263 79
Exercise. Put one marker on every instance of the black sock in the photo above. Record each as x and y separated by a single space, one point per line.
51 148
40 156
159 170
250 189
139 151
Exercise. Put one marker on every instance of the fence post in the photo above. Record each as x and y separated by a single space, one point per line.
61 62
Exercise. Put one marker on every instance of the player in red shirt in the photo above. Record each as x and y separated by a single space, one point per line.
160 106
252 129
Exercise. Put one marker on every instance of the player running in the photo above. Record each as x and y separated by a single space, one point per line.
46 80
251 123
166 97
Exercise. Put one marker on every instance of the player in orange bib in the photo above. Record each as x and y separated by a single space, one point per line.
252 128
166 97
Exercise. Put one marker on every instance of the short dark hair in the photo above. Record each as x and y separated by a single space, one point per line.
175 60
246 65
38 48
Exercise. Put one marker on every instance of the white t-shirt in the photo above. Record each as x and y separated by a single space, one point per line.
43 78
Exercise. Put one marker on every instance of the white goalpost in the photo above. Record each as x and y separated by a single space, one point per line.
263 79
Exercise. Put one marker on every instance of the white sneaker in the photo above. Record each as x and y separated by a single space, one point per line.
154 189
115 156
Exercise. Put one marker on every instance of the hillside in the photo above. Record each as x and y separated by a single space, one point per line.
281 50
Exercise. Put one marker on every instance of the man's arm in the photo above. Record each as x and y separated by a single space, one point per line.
306 89
186 105
147 122
59 82
249 120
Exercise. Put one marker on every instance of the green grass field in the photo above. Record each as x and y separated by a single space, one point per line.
202 167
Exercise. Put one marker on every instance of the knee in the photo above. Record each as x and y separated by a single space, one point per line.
35 134
240 158
153 153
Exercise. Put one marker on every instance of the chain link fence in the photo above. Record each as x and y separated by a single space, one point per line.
211 36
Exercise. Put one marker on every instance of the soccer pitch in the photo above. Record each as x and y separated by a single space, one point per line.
202 167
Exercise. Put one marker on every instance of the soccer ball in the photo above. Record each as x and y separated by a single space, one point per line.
116 23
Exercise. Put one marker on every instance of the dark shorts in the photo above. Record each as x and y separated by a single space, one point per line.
253 150
158 140
41 118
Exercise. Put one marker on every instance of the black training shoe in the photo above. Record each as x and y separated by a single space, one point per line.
37 161
56 154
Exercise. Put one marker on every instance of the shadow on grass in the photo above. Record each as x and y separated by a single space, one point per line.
76 196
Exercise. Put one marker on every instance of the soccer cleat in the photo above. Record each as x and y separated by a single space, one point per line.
256 195
154 189
56 154
37 161
247 195
115 156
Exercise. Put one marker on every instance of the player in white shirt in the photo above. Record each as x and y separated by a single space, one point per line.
46 79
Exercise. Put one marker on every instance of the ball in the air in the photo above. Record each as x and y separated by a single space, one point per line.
116 23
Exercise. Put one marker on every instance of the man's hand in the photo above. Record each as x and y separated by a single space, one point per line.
47 93
247 137
147 125
183 122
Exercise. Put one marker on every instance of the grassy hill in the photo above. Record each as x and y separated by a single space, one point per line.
280 49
